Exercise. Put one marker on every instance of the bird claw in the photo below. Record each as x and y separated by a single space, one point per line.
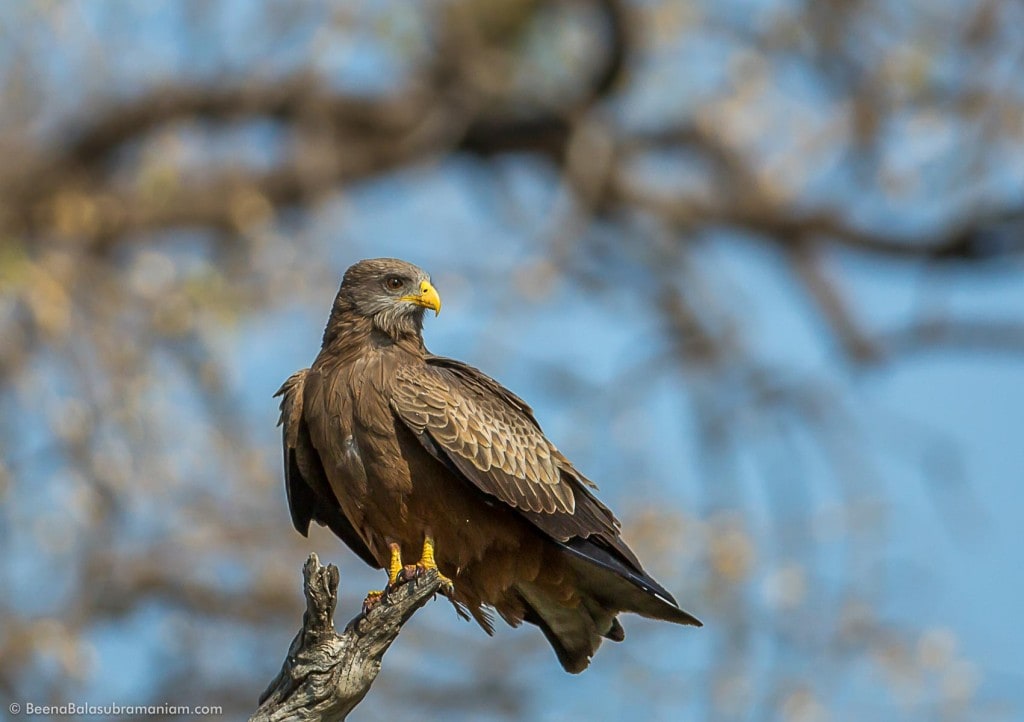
399 574
447 585
427 562
372 600
415 571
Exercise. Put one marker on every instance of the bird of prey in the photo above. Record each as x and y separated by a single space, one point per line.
408 455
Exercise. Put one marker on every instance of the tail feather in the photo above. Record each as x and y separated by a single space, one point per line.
616 633
575 632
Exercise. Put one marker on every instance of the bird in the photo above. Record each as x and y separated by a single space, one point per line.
407 455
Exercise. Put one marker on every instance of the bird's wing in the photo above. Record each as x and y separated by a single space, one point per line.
310 497
488 436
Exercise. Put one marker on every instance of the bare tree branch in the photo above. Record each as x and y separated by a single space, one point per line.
325 675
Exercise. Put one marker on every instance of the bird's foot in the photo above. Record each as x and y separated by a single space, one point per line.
395 577
414 571
425 564
372 600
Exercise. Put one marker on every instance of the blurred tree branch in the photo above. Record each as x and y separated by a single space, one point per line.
127 247
452 106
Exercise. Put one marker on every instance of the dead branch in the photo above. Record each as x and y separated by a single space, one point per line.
327 674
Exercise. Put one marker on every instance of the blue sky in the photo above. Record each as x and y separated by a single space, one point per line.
938 432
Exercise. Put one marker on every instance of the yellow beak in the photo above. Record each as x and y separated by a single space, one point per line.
427 297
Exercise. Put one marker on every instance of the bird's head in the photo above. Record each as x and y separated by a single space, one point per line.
392 293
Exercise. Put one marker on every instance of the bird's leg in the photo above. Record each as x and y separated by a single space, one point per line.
394 571
395 568
427 562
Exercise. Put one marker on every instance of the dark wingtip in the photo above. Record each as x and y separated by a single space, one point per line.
671 612
301 524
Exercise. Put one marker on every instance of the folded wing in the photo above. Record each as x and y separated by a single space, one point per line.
488 436
310 497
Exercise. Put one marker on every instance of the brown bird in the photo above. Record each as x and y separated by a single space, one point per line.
404 454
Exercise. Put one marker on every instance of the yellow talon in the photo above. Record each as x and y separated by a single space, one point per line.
372 600
395 568
428 554
427 562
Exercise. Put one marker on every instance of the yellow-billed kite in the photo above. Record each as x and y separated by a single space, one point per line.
404 454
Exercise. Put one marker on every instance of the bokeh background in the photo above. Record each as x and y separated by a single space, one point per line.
757 265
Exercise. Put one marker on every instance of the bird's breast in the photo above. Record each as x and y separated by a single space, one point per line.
368 462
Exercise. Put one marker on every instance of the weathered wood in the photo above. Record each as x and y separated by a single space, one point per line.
327 674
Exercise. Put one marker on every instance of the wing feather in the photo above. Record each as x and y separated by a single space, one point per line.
529 473
310 497
490 436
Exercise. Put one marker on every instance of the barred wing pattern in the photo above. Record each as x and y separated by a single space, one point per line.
490 436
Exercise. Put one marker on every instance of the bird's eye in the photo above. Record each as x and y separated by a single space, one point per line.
393 283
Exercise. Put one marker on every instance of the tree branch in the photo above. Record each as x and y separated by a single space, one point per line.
327 674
